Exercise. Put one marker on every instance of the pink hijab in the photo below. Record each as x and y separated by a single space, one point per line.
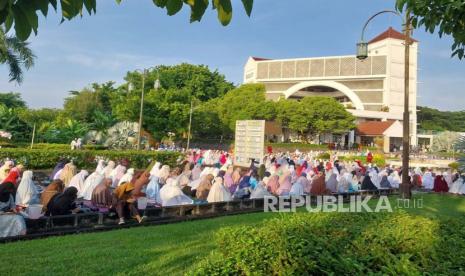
305 183
285 184
273 184
228 180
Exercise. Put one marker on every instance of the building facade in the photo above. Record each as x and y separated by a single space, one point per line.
370 89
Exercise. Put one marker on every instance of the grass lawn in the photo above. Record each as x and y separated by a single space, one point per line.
167 249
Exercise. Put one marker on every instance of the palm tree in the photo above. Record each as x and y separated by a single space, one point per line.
16 54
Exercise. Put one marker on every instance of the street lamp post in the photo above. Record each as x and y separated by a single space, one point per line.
190 124
362 53
156 85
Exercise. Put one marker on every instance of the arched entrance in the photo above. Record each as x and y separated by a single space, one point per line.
324 88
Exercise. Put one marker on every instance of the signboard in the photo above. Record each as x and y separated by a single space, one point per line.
250 142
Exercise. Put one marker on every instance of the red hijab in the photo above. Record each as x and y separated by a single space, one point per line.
12 177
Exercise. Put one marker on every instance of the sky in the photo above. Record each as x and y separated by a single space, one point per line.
136 34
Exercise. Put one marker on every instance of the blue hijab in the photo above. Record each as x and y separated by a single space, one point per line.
245 182
253 182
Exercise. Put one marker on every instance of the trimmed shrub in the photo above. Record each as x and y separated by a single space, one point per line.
339 243
45 146
324 156
49 146
294 146
6 144
86 159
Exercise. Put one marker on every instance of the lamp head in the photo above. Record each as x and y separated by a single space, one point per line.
362 50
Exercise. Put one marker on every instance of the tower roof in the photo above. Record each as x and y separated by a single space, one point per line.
390 33
259 58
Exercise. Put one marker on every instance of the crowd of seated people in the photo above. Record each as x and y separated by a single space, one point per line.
203 177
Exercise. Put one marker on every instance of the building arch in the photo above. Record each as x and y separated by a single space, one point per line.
332 84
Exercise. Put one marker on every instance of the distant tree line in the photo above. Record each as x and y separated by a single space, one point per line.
433 119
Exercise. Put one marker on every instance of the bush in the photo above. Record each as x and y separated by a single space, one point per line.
324 156
46 146
339 243
6 144
85 159
52 146
95 147
294 146
454 166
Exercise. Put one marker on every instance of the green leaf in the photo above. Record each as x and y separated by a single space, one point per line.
28 9
9 22
3 16
224 11
400 5
78 5
91 5
71 8
198 8
173 6
248 4
42 5
22 27
3 4
160 3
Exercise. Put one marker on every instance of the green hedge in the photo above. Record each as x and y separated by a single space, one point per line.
47 146
339 244
85 159
294 146
378 159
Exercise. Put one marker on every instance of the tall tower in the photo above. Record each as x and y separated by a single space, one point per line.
391 44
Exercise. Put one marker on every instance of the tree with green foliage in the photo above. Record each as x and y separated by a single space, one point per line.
206 122
23 14
203 83
38 116
43 119
167 108
58 132
12 100
314 115
246 102
10 122
16 54
329 115
81 105
293 115
92 105
444 16
436 120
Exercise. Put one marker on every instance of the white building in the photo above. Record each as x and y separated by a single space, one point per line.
372 89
